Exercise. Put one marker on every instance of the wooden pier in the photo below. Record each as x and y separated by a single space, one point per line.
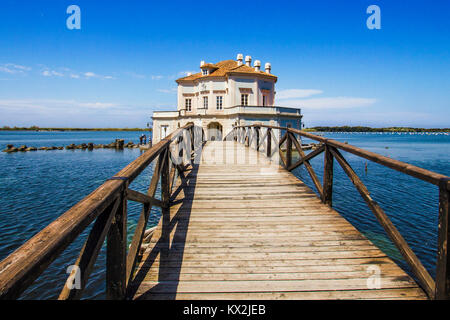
245 231
236 224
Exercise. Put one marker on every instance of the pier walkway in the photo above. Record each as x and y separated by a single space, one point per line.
235 224
240 231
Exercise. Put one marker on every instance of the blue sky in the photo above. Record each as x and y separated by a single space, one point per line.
123 62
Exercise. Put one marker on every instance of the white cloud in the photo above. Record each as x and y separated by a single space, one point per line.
171 90
12 68
89 75
157 77
135 75
73 113
96 105
373 118
50 73
295 98
296 93
330 103
51 104
183 73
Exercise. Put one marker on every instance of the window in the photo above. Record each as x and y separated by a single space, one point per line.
264 101
244 99
219 101
204 72
205 102
188 104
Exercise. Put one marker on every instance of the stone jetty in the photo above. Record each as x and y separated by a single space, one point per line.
117 144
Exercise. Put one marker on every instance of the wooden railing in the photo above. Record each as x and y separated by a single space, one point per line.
106 208
263 138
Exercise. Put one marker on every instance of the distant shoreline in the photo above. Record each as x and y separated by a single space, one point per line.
312 129
70 129
369 129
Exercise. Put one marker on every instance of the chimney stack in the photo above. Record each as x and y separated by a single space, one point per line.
257 65
248 61
240 57
268 67
202 63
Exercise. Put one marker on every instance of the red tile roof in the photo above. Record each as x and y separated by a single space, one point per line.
226 68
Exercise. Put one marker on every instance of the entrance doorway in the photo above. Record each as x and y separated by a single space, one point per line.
214 131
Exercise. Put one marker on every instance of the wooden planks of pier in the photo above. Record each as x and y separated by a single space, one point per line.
242 228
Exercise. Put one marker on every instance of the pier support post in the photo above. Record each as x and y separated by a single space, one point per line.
327 197
116 253
443 259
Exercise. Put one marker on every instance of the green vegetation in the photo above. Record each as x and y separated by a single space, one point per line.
369 129
36 128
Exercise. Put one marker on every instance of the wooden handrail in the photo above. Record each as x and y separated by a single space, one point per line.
107 206
435 289
417 172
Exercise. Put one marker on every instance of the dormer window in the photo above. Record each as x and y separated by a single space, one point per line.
205 72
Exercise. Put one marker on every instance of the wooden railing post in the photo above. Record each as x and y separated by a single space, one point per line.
165 196
288 151
192 134
116 253
269 143
443 258
257 138
328 177
247 137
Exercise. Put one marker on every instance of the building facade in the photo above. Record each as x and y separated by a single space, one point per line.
224 95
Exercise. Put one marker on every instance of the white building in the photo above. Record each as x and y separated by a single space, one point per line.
223 95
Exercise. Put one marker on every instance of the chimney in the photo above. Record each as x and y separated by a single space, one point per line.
268 67
240 57
202 63
257 65
248 61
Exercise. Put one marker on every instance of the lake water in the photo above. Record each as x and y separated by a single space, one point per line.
37 187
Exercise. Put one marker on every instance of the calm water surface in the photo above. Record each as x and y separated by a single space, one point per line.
37 187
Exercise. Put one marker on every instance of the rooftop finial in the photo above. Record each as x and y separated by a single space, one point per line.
240 58
248 61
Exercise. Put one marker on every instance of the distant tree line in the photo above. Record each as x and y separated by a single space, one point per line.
36 128
369 129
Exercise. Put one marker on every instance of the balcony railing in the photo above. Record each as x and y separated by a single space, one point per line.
231 110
